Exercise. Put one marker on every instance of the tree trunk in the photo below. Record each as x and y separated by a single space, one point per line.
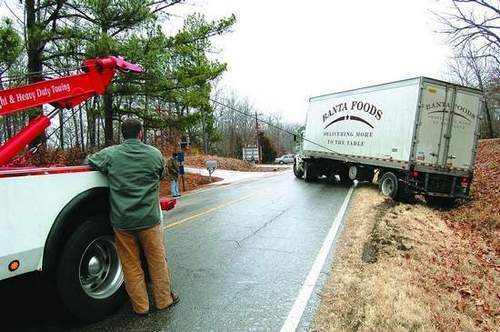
6 121
98 130
91 125
75 124
82 142
35 48
61 130
486 106
108 118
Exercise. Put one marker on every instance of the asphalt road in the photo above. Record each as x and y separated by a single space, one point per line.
238 255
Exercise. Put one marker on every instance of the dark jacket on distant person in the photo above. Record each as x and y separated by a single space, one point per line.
173 168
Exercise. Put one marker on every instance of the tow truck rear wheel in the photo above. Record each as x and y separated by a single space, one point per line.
90 278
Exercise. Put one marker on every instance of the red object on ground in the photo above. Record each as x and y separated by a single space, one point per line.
167 204
63 92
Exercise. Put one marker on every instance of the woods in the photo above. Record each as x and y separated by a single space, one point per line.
52 38
178 93
472 29
172 97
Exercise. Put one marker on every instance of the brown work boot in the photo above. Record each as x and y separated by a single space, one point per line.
175 300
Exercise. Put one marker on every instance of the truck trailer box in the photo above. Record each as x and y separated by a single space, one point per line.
419 125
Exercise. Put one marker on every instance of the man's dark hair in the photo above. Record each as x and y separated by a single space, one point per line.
174 155
131 128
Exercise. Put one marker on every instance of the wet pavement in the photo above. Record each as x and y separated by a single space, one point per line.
238 255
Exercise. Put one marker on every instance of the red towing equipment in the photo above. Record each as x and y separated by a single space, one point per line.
64 92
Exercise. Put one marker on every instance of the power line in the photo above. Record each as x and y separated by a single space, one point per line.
145 77
270 124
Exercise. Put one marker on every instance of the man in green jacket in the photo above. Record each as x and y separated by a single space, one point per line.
134 171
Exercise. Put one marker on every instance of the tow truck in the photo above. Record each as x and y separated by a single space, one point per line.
55 220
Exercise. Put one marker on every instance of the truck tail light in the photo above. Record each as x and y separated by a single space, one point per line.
14 265
465 182
414 174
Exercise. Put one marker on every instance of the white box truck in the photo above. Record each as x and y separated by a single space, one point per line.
419 134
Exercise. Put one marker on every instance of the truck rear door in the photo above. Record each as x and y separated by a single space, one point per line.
447 127
463 130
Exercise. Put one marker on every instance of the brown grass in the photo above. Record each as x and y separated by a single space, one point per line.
192 181
400 267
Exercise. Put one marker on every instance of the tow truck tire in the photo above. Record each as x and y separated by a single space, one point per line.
89 275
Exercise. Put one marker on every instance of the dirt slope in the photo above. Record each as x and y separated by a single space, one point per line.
480 217
409 267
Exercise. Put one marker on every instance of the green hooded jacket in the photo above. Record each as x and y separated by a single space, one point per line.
134 171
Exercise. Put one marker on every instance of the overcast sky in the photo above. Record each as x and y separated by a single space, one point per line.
281 52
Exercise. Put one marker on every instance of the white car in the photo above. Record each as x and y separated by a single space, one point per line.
284 159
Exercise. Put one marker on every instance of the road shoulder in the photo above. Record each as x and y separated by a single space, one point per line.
400 267
228 176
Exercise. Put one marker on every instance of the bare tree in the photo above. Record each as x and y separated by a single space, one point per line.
237 126
475 24
468 69
473 28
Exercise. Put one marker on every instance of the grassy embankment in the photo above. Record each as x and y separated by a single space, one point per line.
409 267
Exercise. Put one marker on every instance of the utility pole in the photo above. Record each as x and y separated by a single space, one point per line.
279 150
257 136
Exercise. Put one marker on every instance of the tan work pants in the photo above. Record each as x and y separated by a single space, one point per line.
128 244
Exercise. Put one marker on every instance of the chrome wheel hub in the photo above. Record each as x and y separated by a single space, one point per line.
387 187
100 271
353 172
95 266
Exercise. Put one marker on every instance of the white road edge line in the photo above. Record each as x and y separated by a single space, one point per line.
295 314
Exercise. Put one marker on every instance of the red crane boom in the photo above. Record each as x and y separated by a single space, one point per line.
63 92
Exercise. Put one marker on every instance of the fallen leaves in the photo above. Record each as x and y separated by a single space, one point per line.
191 181
479 218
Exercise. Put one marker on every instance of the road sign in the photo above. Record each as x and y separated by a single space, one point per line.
211 167
251 154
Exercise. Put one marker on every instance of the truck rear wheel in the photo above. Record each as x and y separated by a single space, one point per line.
90 277
389 185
